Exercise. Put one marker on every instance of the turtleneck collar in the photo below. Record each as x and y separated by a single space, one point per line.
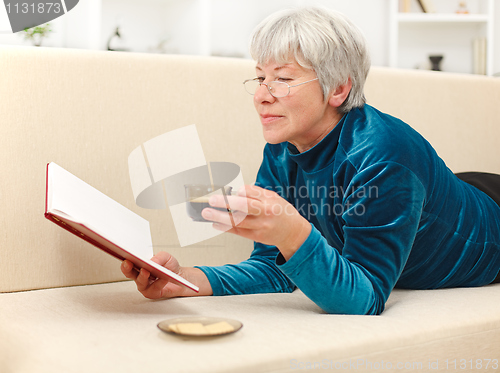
321 154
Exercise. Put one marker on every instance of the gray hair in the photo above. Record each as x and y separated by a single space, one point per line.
318 39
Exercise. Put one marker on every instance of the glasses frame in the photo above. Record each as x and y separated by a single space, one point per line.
275 81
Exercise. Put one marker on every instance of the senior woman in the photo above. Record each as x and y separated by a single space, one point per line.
349 202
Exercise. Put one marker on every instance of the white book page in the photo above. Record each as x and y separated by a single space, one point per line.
84 204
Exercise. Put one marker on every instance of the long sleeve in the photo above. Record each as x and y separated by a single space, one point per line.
258 274
363 228
381 216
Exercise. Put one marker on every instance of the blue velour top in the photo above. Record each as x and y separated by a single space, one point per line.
385 211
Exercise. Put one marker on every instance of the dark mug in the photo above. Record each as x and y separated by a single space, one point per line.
197 196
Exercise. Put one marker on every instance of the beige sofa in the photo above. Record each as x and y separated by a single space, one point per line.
64 306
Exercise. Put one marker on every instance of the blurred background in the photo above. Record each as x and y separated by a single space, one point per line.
399 32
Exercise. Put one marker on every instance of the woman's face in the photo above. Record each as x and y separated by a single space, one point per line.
303 117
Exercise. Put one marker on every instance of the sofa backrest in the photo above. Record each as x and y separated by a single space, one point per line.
87 110
459 114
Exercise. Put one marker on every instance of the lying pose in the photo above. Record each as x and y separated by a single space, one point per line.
349 202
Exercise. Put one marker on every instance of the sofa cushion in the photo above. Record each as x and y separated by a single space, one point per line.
112 328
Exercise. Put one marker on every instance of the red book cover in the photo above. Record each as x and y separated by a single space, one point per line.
92 216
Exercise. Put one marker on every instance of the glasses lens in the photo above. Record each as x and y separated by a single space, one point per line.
251 86
279 89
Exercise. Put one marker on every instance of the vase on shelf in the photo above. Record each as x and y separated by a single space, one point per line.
462 8
436 62
115 41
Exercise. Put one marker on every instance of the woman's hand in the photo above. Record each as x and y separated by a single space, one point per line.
161 288
262 216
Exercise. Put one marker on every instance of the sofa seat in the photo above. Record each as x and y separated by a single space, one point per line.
112 328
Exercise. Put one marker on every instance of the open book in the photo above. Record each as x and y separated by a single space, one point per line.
91 215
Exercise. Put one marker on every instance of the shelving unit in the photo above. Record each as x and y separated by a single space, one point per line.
441 18
414 36
201 27
222 28
183 26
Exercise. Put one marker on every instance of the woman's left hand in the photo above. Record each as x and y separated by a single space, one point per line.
262 216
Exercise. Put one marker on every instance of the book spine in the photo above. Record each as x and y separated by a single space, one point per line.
46 188
479 56
430 6
405 6
427 6
422 6
77 233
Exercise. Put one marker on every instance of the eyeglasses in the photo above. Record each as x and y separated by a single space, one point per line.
275 88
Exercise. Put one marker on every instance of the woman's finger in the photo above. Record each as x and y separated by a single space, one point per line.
142 280
128 270
155 288
242 232
244 205
162 258
255 192
229 219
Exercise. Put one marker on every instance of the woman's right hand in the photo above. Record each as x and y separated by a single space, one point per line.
162 288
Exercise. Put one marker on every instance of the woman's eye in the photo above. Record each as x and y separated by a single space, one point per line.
284 79
260 79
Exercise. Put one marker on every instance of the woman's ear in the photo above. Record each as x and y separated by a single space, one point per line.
339 95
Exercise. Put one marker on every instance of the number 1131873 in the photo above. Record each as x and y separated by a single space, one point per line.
33 8
471 364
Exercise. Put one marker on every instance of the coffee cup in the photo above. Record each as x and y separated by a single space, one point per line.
197 197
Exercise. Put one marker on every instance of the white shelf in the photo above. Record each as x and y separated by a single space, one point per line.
414 36
441 18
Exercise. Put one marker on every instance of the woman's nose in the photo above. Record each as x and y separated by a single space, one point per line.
262 94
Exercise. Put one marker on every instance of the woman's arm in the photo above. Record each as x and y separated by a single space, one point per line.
258 274
378 231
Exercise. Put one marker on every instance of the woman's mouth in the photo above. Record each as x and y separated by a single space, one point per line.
269 118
